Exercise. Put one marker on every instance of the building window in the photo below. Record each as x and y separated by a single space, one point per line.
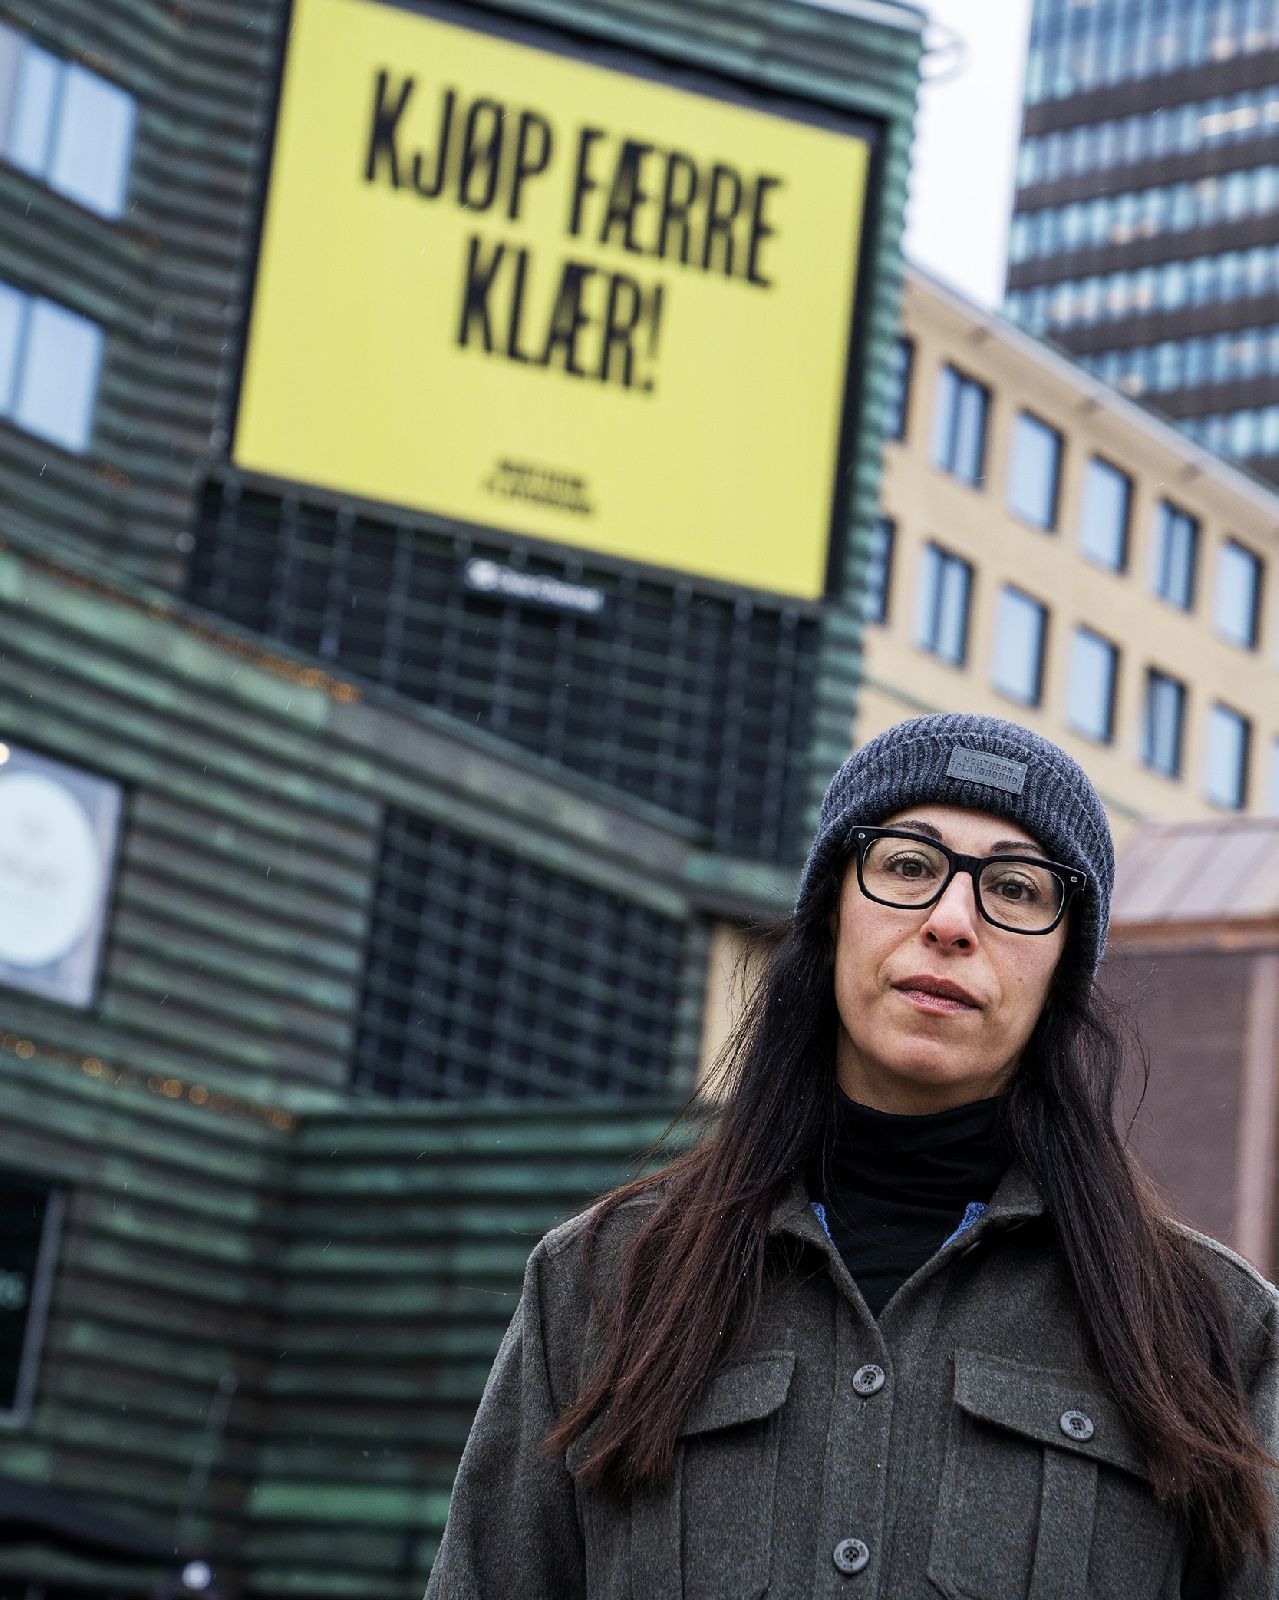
65 125
1165 714
1238 608
879 571
1036 469
1090 693
1175 556
1019 646
1143 213
1226 776
1273 801
32 1213
941 623
1103 525
49 360
900 362
959 427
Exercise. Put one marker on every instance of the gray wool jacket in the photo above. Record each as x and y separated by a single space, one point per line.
963 1445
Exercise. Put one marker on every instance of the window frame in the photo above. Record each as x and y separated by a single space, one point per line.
901 377
1165 512
1013 594
1027 418
1250 638
938 560
1120 564
55 168
1217 711
879 561
944 455
1083 634
15 407
1156 677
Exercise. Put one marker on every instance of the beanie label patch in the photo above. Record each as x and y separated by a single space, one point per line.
996 772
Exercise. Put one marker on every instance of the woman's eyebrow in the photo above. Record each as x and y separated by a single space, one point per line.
921 827
1022 847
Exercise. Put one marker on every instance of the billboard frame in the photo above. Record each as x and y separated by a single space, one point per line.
668 69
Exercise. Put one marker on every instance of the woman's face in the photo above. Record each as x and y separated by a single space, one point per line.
902 1049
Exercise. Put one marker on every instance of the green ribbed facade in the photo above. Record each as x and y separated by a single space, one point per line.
386 990
269 1333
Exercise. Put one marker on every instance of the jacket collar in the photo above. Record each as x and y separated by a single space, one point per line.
1015 1200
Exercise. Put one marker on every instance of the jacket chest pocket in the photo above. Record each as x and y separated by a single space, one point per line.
706 1534
1043 1494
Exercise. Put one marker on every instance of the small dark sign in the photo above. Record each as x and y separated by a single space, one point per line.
482 576
30 1214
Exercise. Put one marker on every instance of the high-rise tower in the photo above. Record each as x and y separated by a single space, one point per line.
1145 236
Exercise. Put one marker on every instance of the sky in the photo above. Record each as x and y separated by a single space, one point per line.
966 145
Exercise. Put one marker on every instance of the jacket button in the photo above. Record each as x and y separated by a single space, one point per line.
1075 1425
868 1379
851 1555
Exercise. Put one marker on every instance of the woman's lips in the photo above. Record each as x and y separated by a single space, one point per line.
939 1005
935 996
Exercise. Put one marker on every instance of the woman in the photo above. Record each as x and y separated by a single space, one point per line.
906 1320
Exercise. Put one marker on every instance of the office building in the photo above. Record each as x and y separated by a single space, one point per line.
1052 552
1146 218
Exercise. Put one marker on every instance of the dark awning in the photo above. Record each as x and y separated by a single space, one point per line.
32 1511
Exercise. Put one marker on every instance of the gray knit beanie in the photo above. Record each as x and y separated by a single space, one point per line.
984 764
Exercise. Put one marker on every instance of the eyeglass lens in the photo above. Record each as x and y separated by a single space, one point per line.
905 871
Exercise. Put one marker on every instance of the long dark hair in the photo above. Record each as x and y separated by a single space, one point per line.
691 1280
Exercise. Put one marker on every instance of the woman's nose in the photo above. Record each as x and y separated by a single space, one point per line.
953 920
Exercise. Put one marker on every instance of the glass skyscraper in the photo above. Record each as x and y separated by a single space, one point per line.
1145 235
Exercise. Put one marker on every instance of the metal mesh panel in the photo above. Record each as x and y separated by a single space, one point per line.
696 702
488 976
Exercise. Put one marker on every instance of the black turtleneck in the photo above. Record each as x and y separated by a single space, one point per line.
896 1187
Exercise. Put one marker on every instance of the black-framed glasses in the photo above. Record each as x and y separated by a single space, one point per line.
1024 894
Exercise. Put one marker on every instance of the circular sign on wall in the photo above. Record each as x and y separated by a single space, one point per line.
51 871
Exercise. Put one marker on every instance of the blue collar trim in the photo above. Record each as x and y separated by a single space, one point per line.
972 1212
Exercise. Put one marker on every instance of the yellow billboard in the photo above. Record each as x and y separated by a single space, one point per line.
537 293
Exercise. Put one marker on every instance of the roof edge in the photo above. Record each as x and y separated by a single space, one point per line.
885 12
1104 395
